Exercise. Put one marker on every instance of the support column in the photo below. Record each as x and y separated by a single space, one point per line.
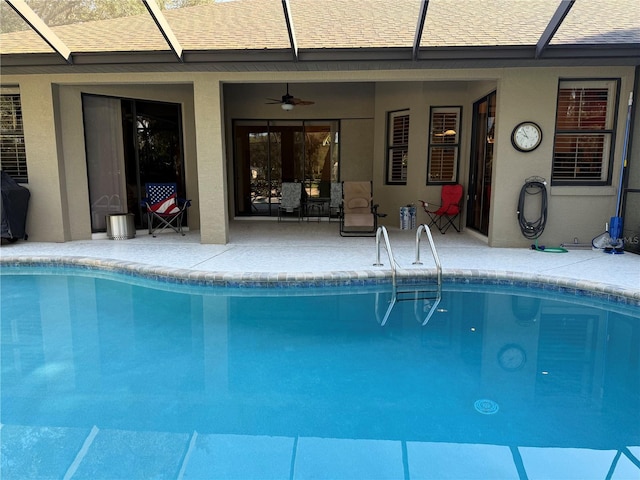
47 219
212 176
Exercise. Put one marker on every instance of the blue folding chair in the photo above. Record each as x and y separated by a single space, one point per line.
164 208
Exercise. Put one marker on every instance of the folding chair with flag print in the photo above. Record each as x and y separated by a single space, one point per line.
164 208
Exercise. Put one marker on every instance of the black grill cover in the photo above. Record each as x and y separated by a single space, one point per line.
15 201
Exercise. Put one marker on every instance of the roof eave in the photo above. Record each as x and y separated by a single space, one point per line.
621 54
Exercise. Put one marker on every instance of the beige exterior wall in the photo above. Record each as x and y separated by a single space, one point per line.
52 112
418 98
57 149
573 212
210 144
48 217
356 149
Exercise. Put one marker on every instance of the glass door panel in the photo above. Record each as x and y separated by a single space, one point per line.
105 158
321 150
153 150
287 155
479 203
252 169
274 167
128 143
267 154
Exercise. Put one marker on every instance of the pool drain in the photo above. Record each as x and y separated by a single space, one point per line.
486 406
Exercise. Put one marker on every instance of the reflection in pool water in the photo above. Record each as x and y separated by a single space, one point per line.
102 378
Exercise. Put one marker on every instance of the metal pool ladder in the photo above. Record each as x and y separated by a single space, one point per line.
414 293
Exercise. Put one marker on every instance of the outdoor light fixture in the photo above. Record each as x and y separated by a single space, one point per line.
287 101
446 133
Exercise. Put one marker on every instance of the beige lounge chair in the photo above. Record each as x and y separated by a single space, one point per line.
359 215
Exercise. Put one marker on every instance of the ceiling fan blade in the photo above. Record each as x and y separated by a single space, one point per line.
297 101
288 99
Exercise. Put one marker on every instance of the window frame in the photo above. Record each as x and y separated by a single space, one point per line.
609 134
433 146
14 164
392 147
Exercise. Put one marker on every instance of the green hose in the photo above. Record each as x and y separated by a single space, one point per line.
548 249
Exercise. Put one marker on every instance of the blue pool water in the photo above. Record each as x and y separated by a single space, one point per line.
112 377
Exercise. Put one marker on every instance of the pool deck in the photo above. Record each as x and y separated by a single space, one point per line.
312 251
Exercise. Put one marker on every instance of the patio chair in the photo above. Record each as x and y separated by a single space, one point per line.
291 200
449 209
335 200
358 214
164 208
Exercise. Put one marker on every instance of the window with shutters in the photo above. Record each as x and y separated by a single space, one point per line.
444 145
12 152
397 146
585 125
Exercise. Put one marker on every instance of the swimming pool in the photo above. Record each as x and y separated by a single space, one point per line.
113 376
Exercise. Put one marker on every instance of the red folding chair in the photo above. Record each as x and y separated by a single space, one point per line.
449 209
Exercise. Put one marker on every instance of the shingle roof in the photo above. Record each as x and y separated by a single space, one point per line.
496 22
259 25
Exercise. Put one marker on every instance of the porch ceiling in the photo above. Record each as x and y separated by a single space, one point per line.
288 35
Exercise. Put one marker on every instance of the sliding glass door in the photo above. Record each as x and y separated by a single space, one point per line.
129 143
268 153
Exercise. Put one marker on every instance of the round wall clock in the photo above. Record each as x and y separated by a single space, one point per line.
526 136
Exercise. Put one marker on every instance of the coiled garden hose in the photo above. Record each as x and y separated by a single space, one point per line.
532 230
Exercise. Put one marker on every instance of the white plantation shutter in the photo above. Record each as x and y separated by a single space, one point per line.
444 143
398 147
584 132
12 151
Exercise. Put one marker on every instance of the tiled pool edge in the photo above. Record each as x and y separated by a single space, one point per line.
342 278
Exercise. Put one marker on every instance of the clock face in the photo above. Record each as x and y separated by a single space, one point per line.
526 136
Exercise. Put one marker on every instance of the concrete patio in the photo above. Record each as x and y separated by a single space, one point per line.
316 250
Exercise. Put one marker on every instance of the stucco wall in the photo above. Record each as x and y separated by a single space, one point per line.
56 160
71 123
48 217
356 149
573 212
360 100
418 98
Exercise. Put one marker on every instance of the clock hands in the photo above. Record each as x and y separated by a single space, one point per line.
526 136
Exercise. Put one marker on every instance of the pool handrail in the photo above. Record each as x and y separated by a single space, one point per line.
382 232
424 227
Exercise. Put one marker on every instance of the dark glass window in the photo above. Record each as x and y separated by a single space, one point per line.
444 145
398 147
12 151
585 124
